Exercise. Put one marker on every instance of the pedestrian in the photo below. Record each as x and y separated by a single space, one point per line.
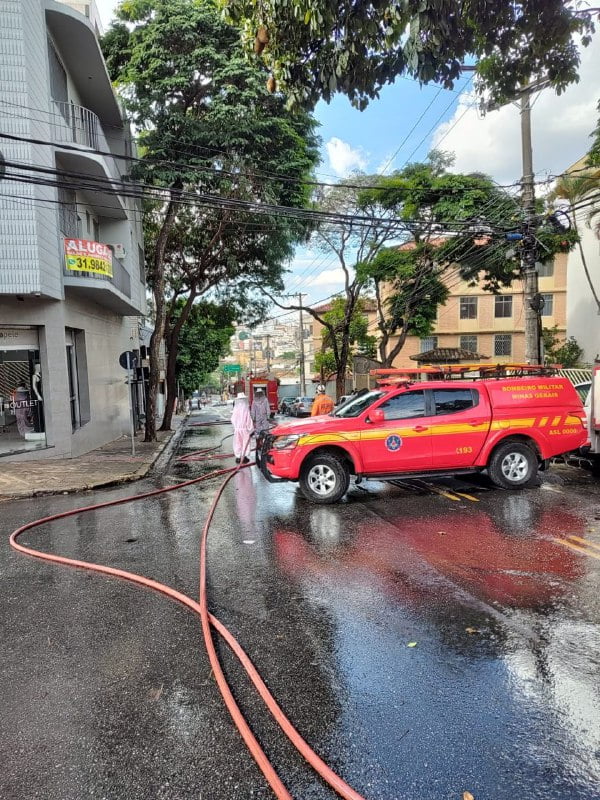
260 411
322 404
242 428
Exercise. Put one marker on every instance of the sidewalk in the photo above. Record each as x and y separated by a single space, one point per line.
108 465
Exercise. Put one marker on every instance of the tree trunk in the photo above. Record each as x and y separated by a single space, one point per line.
389 358
158 289
170 380
172 350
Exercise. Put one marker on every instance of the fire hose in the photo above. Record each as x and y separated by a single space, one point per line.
200 608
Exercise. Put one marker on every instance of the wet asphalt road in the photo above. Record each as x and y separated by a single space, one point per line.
425 638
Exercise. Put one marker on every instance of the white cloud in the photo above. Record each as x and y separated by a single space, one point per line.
560 129
343 158
333 278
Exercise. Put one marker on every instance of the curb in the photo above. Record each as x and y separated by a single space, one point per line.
164 448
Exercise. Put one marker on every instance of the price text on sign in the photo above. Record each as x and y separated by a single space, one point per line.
82 255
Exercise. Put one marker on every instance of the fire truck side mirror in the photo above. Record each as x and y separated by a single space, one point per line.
376 417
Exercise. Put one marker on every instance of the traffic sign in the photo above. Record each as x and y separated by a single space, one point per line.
132 360
232 368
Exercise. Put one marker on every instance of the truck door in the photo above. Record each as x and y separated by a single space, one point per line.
460 426
402 442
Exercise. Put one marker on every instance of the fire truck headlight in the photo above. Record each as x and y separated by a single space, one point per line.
286 442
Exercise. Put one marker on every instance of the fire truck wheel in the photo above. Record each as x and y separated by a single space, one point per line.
513 465
324 478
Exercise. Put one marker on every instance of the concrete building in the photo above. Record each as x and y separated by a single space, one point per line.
71 258
491 325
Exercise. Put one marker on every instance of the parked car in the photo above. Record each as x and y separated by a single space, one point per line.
509 427
286 404
302 407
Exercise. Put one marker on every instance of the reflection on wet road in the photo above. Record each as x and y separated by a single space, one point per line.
426 637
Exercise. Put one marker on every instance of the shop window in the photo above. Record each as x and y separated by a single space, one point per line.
22 417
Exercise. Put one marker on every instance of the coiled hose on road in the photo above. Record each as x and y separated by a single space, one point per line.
200 608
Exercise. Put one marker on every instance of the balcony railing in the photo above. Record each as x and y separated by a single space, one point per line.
81 126
78 125
121 279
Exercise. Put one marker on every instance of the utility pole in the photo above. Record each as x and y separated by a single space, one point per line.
302 370
528 257
268 353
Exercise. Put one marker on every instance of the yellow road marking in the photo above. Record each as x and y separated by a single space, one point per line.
449 495
584 541
577 548
468 496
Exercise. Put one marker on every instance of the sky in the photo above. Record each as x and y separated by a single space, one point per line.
408 120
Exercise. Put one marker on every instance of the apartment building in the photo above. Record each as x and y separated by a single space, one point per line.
71 259
491 326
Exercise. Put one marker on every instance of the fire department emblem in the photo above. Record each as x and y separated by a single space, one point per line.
393 443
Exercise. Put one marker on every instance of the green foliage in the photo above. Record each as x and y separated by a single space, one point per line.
204 339
357 334
209 128
289 355
207 125
462 218
319 47
563 351
594 154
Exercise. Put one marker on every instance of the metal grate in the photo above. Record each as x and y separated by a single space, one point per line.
13 374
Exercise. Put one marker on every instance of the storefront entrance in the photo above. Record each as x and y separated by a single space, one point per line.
22 419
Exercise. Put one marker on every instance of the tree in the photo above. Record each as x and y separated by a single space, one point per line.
594 154
217 145
315 48
327 358
565 351
455 221
414 292
354 231
204 339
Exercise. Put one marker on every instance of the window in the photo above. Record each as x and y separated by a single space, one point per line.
468 308
546 270
58 76
404 406
449 401
356 406
428 343
548 309
68 218
502 344
96 230
503 307
468 343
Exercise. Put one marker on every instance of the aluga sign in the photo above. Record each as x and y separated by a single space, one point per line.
83 255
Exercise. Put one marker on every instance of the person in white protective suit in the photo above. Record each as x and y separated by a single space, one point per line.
242 428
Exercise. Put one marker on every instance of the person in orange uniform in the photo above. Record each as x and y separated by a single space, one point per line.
322 404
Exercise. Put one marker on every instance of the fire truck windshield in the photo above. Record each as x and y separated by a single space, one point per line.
355 407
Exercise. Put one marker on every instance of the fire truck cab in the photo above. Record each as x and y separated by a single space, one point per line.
507 426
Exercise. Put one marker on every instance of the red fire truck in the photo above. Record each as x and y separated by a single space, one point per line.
269 386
